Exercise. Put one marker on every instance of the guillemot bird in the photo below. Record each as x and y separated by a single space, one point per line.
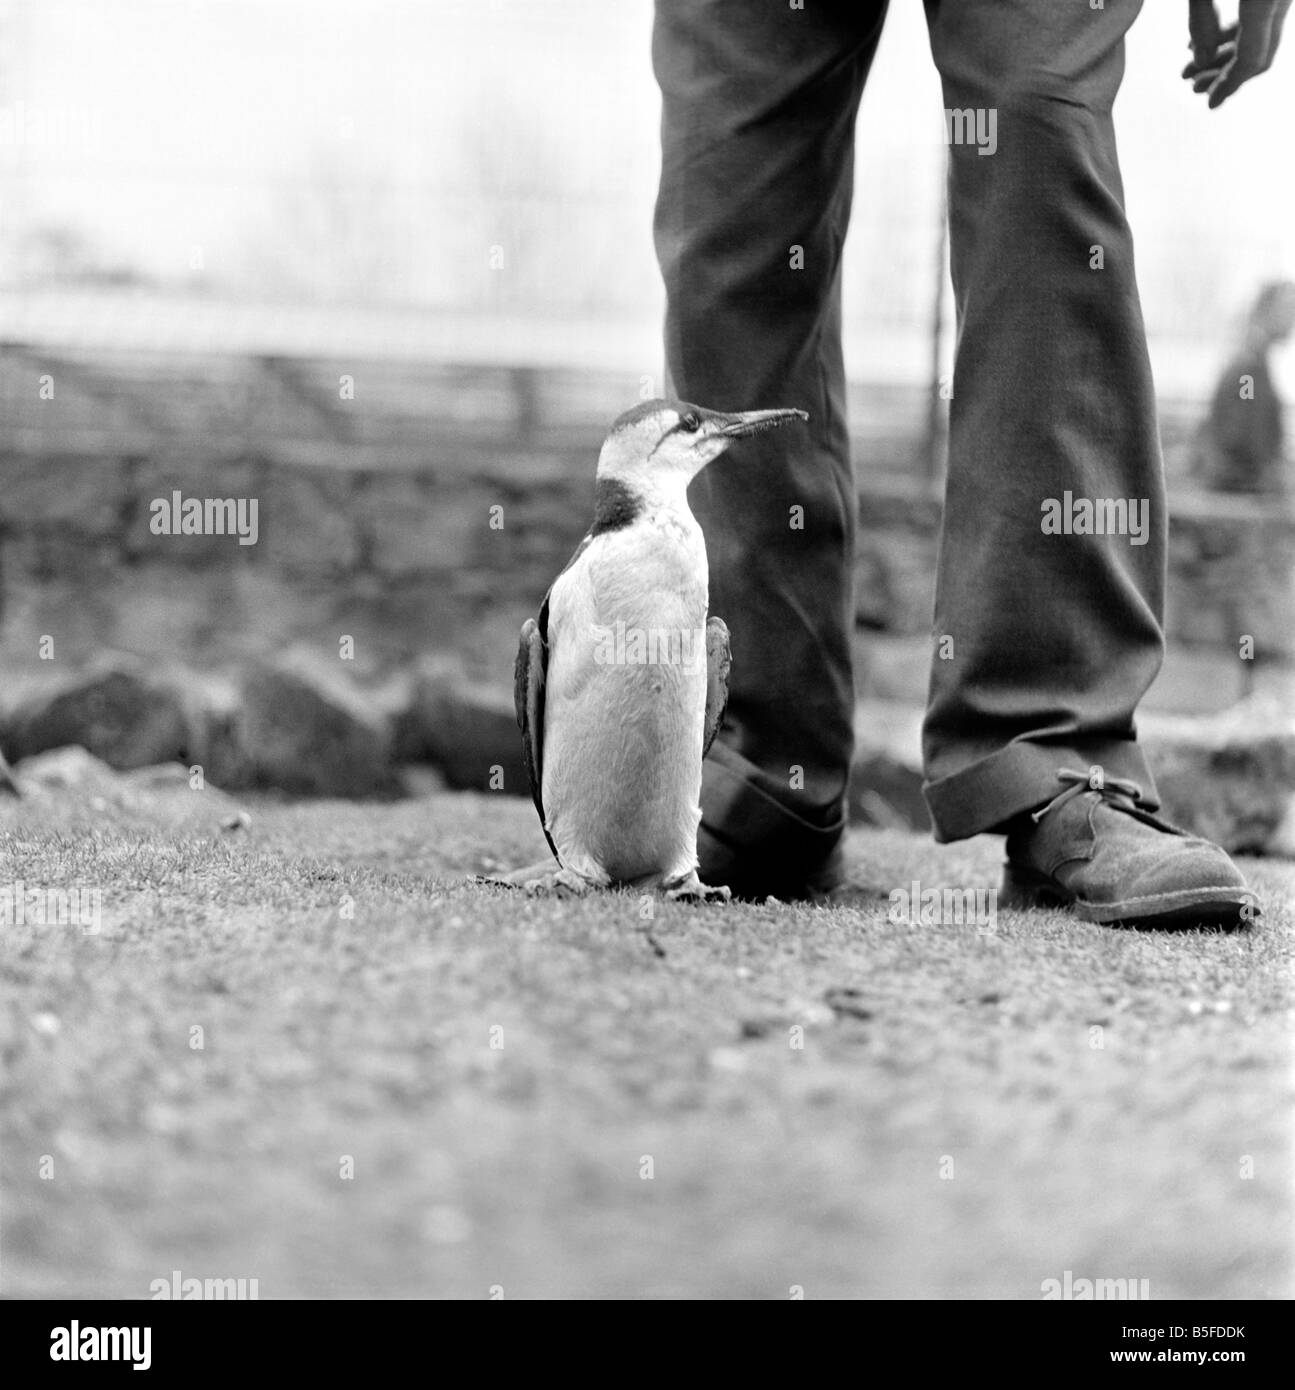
621 682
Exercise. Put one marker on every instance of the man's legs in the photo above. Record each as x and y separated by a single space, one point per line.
759 105
1055 638
1052 633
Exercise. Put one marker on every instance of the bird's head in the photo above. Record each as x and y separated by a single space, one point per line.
671 441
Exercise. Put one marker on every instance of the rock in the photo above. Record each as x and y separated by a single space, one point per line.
300 729
116 713
886 776
414 527
895 581
66 769
846 1001
190 472
1282 841
421 779
887 791
83 494
761 1026
1229 777
71 784
306 524
898 531
219 750
466 728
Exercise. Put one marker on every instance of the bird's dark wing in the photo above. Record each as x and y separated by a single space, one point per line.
719 659
529 676
528 700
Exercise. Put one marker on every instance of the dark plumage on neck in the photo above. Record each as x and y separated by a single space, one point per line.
616 505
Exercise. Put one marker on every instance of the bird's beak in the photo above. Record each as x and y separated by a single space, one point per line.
754 421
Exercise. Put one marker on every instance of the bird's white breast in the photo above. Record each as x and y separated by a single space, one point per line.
626 700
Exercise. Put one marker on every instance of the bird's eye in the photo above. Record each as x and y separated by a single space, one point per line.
689 422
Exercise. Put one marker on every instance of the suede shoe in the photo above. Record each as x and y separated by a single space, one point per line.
1095 849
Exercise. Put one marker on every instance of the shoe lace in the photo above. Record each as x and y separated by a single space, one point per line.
1094 780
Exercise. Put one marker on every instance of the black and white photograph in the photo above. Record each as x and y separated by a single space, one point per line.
648 654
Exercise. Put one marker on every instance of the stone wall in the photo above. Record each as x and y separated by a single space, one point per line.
438 532
404 561
421 522
1231 567
451 556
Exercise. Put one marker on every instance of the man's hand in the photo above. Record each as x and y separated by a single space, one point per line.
1224 58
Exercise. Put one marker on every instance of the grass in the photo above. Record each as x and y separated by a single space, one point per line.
949 1128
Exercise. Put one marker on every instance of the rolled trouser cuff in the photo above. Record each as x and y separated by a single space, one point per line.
982 796
753 840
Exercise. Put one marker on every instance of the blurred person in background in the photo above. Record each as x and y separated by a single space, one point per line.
1242 443
1241 449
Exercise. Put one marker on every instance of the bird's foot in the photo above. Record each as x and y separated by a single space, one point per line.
693 890
518 878
558 883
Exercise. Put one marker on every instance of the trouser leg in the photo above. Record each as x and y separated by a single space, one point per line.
759 104
1054 637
